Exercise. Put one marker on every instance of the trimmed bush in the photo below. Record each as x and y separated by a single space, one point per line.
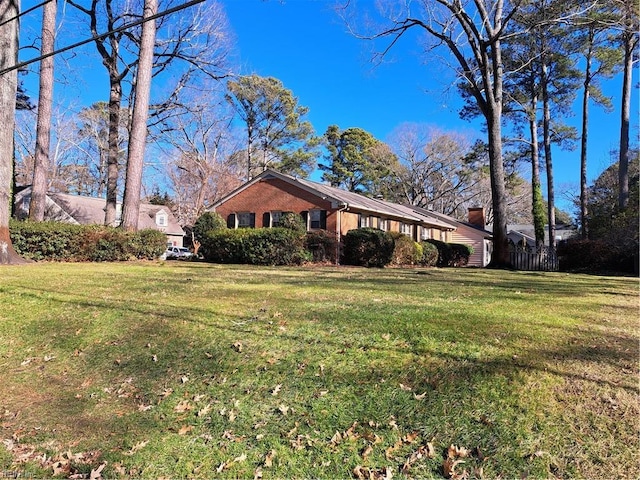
368 247
206 222
293 221
57 241
261 246
405 250
323 246
429 254
451 254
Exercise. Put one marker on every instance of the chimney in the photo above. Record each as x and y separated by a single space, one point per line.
476 217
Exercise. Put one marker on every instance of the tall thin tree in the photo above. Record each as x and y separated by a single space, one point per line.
138 135
39 184
9 11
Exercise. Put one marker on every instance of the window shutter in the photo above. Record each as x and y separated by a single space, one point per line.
305 218
231 220
266 219
323 219
253 220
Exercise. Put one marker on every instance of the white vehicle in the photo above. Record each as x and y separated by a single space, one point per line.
177 252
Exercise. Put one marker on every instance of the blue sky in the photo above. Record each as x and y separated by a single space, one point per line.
307 46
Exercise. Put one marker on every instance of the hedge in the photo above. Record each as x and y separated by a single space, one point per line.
255 246
451 254
55 241
405 250
368 247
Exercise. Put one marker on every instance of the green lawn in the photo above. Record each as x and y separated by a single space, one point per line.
182 369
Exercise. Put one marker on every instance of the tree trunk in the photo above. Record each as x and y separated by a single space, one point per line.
138 135
9 10
546 127
537 205
583 147
39 184
623 166
115 101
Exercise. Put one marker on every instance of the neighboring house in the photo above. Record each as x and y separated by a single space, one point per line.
80 210
262 200
522 234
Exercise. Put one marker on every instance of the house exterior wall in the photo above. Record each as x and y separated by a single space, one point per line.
475 238
271 195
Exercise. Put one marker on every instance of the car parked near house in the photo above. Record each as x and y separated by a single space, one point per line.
177 253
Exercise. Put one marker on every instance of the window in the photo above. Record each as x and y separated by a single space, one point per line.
426 233
161 219
246 220
316 218
384 224
443 235
276 217
405 228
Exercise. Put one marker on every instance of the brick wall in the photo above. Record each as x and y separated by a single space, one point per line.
275 195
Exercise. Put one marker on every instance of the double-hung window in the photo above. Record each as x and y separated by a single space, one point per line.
244 220
315 218
276 217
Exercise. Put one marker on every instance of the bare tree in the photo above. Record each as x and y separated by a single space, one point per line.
9 10
473 32
45 104
204 164
138 136
196 39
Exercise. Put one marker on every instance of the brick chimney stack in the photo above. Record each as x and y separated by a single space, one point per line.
476 217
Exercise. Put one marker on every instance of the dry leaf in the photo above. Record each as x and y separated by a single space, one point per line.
406 388
237 346
283 409
137 447
154 358
97 473
268 460
144 408
276 390
366 452
449 468
204 410
184 379
221 467
185 429
183 406
241 458
419 397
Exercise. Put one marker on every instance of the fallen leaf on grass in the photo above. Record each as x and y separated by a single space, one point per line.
183 406
204 410
97 473
364 473
268 460
366 452
406 388
137 447
449 468
419 397
185 429
276 390
283 409
237 346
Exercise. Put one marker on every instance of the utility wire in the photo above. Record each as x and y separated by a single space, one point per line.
22 14
93 38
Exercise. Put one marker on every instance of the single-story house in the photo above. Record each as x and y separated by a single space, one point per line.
82 210
261 201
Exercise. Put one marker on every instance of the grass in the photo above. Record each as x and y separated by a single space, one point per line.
179 369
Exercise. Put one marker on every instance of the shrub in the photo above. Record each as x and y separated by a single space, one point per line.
147 244
405 250
451 254
77 243
323 246
262 246
429 254
293 221
368 247
207 222
596 256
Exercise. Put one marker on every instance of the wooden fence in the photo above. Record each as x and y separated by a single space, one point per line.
543 259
